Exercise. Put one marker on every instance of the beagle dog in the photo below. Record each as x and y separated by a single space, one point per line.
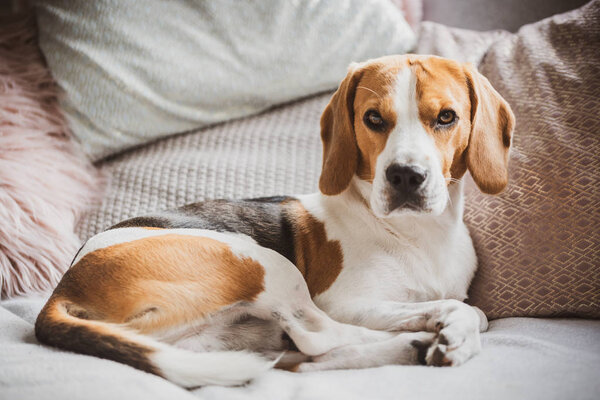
372 270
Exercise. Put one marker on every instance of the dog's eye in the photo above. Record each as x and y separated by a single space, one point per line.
374 120
446 117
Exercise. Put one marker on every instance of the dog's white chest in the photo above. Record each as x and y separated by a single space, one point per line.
422 264
417 259
405 274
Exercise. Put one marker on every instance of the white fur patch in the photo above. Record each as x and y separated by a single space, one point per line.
190 369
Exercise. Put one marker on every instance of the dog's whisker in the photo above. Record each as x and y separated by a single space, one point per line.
452 179
370 90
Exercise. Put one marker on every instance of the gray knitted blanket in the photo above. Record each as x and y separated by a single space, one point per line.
277 152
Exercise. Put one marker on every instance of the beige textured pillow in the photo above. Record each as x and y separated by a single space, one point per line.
539 241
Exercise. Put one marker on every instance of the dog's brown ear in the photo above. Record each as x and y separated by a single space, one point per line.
340 151
492 124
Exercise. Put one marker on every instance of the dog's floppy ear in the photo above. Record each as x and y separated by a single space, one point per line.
340 151
492 123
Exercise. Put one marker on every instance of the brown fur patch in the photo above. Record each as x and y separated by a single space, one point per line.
179 278
492 124
146 285
318 259
340 155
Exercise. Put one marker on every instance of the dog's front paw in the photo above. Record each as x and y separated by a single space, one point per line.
457 340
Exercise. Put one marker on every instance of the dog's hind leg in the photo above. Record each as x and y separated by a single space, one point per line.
314 332
287 300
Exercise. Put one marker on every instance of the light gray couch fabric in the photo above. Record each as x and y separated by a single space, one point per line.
522 358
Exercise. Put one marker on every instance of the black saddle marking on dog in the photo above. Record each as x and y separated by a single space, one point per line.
264 219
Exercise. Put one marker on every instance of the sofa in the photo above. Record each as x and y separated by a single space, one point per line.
533 349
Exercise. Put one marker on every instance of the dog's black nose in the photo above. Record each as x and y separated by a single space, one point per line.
405 178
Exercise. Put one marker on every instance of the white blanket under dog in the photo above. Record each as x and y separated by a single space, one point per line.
521 358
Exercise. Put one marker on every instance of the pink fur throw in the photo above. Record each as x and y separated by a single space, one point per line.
45 183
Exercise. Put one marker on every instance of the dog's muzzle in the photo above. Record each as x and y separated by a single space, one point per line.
406 184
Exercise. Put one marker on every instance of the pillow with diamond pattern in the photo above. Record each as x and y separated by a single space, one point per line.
539 241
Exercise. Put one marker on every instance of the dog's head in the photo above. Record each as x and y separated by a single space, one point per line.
411 125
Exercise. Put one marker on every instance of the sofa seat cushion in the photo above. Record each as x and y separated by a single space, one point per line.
522 358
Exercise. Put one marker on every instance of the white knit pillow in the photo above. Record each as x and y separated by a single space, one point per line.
137 71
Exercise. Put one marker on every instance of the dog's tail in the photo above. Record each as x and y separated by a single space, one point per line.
64 325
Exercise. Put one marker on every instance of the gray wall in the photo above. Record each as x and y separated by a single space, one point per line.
494 14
